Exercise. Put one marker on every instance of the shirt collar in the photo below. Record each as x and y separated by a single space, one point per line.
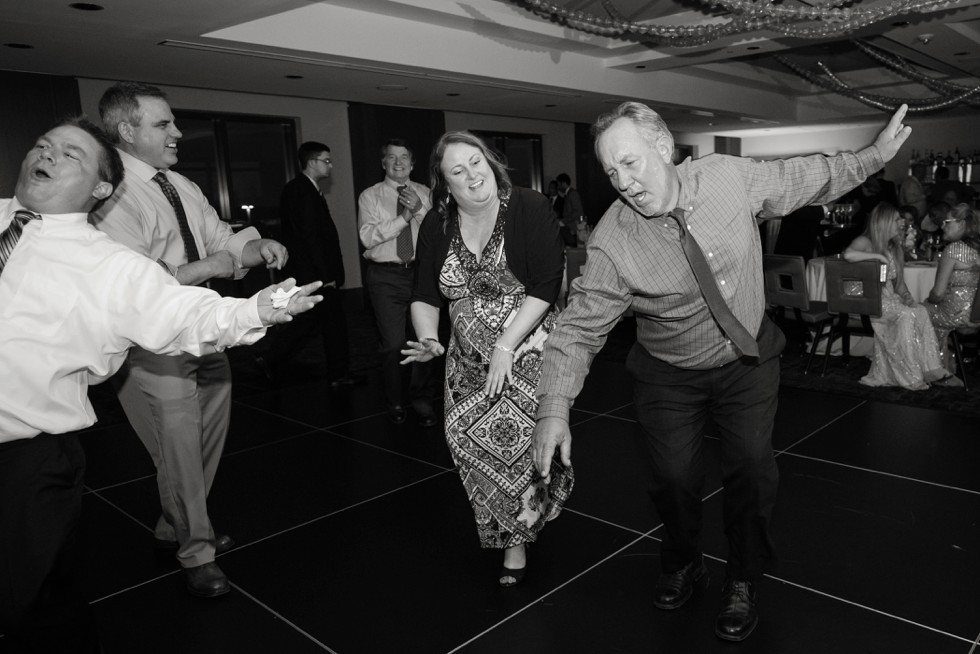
688 186
312 181
137 167
49 220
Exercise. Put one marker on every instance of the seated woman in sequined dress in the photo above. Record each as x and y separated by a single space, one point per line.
951 298
906 352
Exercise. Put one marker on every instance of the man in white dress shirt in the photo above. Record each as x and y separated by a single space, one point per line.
180 407
72 302
389 214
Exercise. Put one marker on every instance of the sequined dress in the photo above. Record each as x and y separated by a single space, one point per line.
954 310
490 438
906 353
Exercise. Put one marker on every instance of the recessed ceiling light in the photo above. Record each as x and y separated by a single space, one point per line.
960 54
86 6
391 87
452 95
640 66
752 47
901 23
293 76
549 106
19 46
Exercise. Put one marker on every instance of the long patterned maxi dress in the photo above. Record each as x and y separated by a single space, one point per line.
490 438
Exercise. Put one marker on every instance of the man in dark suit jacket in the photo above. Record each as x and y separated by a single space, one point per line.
314 249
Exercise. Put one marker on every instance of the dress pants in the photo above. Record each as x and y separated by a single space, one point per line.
40 507
390 290
180 407
674 408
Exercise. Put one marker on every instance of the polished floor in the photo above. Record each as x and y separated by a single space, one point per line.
355 536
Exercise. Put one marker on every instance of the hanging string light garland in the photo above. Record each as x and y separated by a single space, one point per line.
949 96
822 20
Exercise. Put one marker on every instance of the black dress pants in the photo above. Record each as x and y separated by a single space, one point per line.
675 407
40 508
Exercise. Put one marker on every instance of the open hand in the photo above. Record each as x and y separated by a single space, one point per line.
299 303
422 351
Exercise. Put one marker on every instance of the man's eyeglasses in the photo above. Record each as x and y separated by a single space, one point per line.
953 220
326 161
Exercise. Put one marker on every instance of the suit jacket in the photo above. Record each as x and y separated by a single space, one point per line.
309 233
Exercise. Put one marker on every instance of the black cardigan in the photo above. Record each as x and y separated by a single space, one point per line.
532 242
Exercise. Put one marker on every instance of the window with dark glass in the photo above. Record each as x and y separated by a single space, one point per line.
521 152
241 163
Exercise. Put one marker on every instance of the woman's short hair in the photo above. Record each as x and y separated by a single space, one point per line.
971 224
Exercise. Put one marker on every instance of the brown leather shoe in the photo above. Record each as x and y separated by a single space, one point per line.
206 580
738 616
675 588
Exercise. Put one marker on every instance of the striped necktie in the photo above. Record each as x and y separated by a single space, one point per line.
729 324
190 247
404 248
10 236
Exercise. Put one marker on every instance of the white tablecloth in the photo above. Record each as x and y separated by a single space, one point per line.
918 278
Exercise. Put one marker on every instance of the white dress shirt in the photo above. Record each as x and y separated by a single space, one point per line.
139 216
379 225
73 301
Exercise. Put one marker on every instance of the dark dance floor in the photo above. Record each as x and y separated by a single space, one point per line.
355 536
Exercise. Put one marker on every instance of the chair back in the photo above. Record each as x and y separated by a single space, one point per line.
785 281
853 288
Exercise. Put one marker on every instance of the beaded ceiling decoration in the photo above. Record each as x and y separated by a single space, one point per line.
948 94
819 20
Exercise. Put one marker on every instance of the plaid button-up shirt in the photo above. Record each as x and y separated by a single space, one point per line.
638 263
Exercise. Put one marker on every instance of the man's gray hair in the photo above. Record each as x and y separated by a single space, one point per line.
646 119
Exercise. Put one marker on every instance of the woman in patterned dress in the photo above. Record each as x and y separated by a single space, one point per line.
494 252
906 353
951 298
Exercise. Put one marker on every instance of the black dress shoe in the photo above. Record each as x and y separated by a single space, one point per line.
738 616
222 543
673 589
397 414
206 580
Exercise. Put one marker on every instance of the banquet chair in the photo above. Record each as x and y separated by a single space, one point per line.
957 334
786 289
853 288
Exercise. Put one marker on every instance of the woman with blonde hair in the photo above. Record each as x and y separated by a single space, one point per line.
906 353
951 298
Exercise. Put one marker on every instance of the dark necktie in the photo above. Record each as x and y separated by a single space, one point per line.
404 247
190 248
10 236
729 324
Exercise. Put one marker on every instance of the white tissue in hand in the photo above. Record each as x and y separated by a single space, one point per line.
280 298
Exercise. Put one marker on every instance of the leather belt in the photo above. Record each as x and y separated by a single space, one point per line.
395 264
